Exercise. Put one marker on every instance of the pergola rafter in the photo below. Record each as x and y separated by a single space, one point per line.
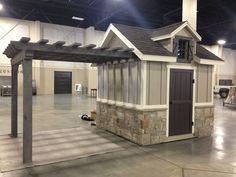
24 51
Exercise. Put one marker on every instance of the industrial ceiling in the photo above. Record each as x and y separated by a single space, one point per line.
216 18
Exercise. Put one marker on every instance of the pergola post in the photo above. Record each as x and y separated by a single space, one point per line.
14 100
27 110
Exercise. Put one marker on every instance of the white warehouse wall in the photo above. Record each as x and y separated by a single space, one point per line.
43 71
228 69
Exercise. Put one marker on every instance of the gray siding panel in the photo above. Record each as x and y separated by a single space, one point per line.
204 84
156 83
125 81
164 83
111 83
101 82
118 84
105 81
139 82
133 82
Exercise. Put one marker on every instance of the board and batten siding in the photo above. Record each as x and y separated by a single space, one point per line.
120 82
100 81
156 83
204 84
111 82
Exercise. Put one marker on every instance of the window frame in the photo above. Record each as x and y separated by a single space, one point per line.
189 53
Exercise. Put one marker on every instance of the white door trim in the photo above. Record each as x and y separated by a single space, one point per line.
187 67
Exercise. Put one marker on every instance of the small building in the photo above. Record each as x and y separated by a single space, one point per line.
163 94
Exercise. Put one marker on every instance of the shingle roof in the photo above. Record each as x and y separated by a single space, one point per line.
166 29
206 54
141 39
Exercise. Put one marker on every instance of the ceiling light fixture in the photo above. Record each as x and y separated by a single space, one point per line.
221 42
1 6
78 18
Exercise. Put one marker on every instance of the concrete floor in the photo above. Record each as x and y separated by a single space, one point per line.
49 112
213 156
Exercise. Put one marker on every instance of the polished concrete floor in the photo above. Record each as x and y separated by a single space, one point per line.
213 157
49 112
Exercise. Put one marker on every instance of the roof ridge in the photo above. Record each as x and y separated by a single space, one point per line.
133 26
168 26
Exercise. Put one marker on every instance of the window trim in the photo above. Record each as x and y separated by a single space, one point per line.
190 53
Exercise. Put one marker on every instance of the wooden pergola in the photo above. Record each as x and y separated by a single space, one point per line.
24 51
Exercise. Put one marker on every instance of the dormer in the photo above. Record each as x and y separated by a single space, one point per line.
180 39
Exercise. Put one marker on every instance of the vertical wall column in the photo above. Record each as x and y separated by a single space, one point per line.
14 100
27 110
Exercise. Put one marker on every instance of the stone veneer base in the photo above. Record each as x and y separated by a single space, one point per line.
148 127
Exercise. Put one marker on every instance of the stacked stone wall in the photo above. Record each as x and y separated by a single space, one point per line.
204 121
141 127
148 127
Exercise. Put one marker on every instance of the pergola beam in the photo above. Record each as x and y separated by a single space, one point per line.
41 50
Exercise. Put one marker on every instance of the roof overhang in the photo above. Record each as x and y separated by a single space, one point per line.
172 34
204 61
113 30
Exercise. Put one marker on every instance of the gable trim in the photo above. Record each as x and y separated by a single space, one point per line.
113 29
186 24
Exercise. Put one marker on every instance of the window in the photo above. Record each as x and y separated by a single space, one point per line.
183 48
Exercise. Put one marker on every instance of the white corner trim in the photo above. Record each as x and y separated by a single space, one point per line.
159 58
143 83
208 62
186 24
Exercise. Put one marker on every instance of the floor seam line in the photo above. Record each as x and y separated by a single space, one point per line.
163 159
212 171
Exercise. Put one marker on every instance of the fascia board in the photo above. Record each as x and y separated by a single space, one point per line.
171 35
159 38
197 36
159 58
208 61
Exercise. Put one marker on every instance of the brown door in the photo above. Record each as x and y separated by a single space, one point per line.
181 102
62 82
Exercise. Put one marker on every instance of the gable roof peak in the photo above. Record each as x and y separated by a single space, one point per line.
171 30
